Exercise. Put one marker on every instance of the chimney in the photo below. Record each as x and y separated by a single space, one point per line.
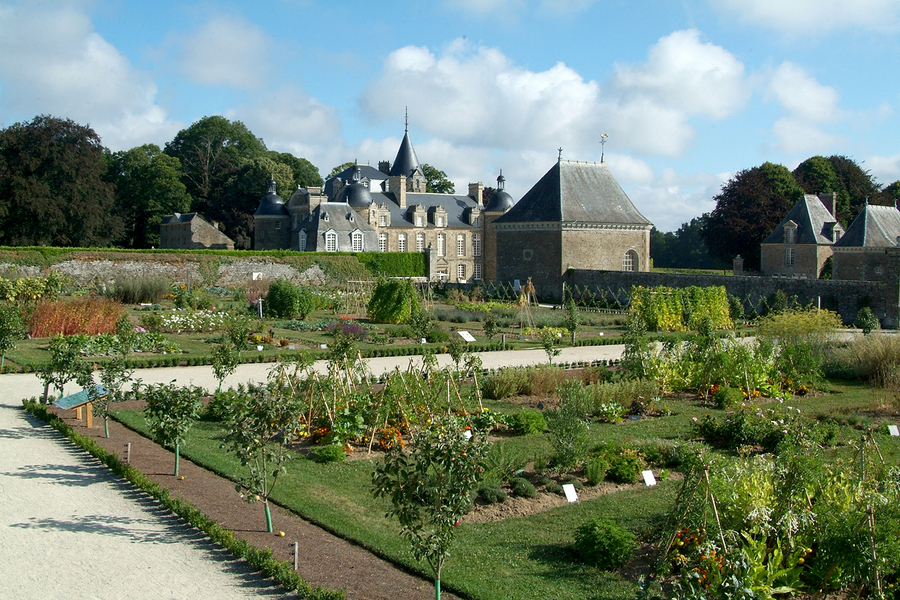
829 199
397 186
475 191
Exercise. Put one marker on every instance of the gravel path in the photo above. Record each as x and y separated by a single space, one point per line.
70 529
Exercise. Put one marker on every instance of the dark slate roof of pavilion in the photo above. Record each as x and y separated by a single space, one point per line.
814 222
456 205
875 227
179 218
271 204
338 216
576 191
406 163
365 172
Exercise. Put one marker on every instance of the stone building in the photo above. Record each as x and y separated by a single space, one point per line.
870 249
190 231
388 210
802 242
576 217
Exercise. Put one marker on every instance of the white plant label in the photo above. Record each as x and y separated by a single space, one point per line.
571 494
649 479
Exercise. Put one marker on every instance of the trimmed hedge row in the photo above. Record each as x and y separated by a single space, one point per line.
260 559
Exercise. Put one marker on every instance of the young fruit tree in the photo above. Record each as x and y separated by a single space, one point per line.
11 329
170 412
115 373
65 365
432 486
260 422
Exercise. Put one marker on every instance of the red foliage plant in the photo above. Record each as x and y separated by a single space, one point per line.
68 317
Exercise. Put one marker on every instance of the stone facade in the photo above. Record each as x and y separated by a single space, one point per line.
869 250
190 231
802 242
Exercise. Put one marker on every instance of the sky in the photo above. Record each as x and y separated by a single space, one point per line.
688 92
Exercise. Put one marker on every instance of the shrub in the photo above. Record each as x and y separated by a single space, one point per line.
393 301
528 421
328 453
569 437
866 320
626 467
289 300
576 483
555 488
152 321
68 317
595 470
872 357
137 290
522 487
491 493
726 397
604 543
504 383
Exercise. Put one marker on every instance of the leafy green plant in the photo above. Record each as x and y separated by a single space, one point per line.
393 301
549 337
170 412
626 466
568 436
595 469
604 543
866 320
528 421
12 328
432 487
522 487
289 301
492 493
328 453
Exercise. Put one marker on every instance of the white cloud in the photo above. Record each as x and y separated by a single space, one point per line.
227 51
672 198
886 169
644 107
816 16
52 61
809 104
684 74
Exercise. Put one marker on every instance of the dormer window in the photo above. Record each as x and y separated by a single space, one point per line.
324 216
790 233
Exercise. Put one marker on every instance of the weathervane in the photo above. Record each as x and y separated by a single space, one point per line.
406 121
559 158
603 137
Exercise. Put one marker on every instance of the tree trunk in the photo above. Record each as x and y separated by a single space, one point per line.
437 589
177 453
106 426
268 517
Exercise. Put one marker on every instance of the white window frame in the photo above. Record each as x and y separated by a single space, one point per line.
461 271
330 241
301 242
356 241
476 272
401 242
420 242
628 261
382 220
382 242
461 244
789 257
476 244
441 244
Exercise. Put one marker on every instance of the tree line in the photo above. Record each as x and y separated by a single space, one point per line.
59 186
754 201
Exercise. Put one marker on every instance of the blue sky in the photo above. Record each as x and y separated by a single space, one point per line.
688 91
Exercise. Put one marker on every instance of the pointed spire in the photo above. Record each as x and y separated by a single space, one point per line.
559 158
501 180
406 121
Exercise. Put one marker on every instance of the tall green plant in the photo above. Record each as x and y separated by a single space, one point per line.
393 301
170 412
12 328
432 486
65 365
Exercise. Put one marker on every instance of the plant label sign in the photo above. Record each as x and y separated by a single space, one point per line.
467 434
571 494
649 479
468 337
893 430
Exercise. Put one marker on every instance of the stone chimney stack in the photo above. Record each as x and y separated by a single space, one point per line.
475 191
397 186
829 199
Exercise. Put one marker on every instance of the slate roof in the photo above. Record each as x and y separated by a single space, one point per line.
406 163
333 215
576 191
814 223
365 172
874 227
271 204
179 218
456 206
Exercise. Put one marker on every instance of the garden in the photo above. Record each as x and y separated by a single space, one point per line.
773 454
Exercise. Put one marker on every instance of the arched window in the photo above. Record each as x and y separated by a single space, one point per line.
356 241
461 272
302 241
330 241
461 244
420 242
476 244
441 244
630 262
401 242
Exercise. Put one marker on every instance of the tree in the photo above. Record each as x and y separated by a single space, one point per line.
227 356
891 193
549 336
748 209
339 169
240 193
115 373
432 487
436 181
52 191
170 413
210 151
573 318
816 175
12 328
857 184
683 249
148 187
305 173
260 422
65 364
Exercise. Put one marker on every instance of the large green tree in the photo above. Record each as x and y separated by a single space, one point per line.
305 173
683 249
436 180
748 209
891 193
338 169
857 185
210 151
52 191
148 187
241 192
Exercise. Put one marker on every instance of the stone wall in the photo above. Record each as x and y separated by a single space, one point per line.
844 297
